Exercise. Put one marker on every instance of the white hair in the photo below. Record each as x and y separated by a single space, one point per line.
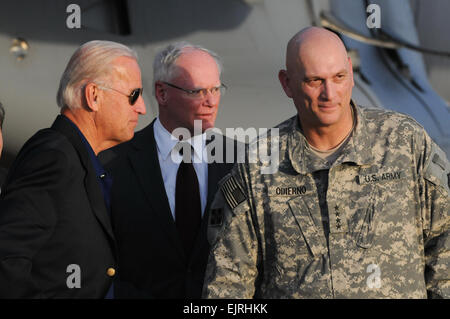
91 62
164 68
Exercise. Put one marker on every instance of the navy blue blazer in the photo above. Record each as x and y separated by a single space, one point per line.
52 216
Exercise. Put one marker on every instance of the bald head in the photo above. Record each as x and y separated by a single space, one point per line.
312 41
319 79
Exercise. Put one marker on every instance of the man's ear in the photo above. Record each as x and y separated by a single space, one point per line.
160 93
92 96
284 80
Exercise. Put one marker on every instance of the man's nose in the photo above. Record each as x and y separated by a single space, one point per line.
212 99
139 106
328 90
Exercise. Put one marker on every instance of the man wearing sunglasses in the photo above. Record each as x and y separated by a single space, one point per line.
56 238
159 202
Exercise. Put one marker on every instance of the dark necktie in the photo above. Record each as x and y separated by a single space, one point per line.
187 204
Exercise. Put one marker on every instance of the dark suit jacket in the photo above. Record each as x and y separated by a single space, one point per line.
52 215
3 173
152 263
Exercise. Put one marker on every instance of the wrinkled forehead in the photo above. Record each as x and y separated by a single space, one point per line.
321 59
123 67
192 59
197 66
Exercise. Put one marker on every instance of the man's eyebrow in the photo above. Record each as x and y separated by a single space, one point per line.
343 71
312 77
317 77
204 88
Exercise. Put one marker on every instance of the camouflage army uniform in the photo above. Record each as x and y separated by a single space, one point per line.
374 224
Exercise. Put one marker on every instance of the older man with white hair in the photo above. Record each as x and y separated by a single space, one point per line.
56 239
160 203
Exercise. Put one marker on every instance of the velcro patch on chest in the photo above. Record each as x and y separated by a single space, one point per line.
216 218
287 191
232 191
379 177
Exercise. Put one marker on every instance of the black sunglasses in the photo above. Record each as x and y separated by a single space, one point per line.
132 98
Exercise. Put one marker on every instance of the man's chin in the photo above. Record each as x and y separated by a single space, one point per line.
206 124
126 137
328 119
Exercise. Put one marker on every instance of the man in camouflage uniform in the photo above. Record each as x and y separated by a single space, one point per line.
359 206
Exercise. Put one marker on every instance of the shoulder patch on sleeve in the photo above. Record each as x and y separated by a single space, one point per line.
437 170
232 192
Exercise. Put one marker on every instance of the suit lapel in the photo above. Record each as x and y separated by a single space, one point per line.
91 183
145 164
213 179
216 171
98 206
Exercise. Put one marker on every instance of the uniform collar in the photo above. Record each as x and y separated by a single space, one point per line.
358 149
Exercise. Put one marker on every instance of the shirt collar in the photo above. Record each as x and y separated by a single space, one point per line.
357 150
165 141
99 170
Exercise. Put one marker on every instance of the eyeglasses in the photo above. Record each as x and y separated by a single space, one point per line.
132 98
201 93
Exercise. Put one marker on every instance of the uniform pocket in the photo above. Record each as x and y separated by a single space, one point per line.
301 207
364 224
372 225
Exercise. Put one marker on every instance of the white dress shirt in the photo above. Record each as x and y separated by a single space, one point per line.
169 163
